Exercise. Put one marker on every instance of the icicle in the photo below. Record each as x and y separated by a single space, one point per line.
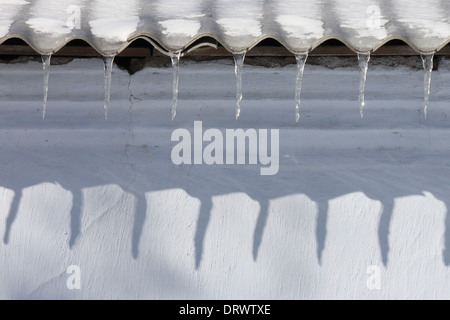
46 66
175 57
363 61
239 66
427 60
301 61
108 66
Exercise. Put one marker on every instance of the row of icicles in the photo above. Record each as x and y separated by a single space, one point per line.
363 61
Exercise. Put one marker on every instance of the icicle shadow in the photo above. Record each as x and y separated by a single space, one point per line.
260 227
301 61
140 216
202 225
12 215
384 227
75 217
238 69
446 250
427 60
46 60
363 62
321 228
108 66
175 58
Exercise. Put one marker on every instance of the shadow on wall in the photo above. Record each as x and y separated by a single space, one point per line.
88 168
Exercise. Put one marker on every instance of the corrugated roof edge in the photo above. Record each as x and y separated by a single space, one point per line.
197 42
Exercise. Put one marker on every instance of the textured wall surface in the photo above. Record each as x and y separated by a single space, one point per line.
352 195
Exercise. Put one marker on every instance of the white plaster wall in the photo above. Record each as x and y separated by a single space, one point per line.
76 190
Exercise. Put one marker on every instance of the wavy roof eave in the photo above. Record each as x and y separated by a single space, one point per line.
110 26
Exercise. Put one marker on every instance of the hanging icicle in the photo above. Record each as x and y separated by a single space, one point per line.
108 66
46 60
301 61
363 62
238 68
427 60
175 58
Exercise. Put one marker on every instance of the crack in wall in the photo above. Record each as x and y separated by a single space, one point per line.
130 141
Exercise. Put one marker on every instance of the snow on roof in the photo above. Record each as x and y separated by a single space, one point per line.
300 25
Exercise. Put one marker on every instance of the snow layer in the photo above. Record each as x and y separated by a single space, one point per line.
301 25
114 21
9 10
240 19
180 27
52 18
300 21
351 193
